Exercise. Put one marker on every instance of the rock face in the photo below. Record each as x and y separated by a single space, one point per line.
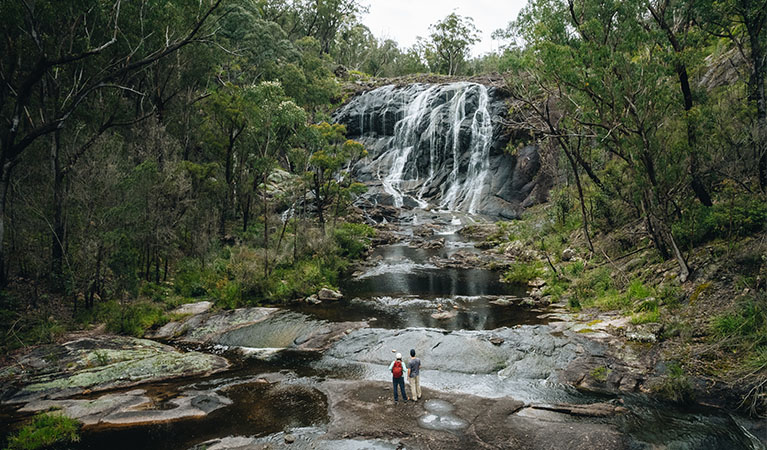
133 408
440 145
101 363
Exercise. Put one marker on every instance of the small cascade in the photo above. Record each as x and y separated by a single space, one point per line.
433 146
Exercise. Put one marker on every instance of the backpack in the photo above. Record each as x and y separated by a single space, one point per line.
396 371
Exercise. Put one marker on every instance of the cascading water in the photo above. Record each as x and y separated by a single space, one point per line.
437 146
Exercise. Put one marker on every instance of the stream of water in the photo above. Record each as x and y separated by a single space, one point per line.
401 297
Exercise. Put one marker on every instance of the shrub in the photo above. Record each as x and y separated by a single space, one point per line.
45 430
189 279
739 216
520 272
353 238
228 294
132 318
153 291
675 386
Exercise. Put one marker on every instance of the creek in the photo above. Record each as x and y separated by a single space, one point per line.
401 297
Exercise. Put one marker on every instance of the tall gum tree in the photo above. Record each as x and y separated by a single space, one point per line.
84 39
451 39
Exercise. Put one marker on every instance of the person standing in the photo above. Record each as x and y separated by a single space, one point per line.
397 369
414 375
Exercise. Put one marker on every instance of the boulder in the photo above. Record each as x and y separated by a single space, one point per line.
514 249
646 332
102 363
193 308
329 294
432 244
443 315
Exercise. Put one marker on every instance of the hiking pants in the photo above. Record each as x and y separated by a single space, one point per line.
415 387
401 383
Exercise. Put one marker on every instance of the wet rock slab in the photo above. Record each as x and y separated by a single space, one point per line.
100 363
259 330
363 410
133 408
286 329
299 439
440 416
206 327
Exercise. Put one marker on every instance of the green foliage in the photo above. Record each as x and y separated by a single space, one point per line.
675 386
133 318
522 272
353 238
33 327
451 39
747 325
595 283
740 216
638 291
600 373
45 430
228 294
669 295
641 317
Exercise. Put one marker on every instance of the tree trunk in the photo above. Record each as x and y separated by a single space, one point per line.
157 266
228 196
692 139
759 61
5 177
684 83
652 231
582 201
266 228
684 269
245 213
57 232
318 201
96 289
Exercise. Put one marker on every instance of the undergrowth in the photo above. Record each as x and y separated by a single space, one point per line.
44 431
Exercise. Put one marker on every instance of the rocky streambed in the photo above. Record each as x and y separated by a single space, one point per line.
500 369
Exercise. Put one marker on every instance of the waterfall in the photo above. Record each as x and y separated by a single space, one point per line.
429 144
441 147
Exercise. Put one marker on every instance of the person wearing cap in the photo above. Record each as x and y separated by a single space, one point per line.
397 369
414 375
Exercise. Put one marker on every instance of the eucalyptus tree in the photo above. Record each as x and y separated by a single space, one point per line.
57 55
227 112
275 125
450 42
675 19
612 83
354 43
744 23
330 161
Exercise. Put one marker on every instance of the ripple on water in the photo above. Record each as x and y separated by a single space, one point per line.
402 267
